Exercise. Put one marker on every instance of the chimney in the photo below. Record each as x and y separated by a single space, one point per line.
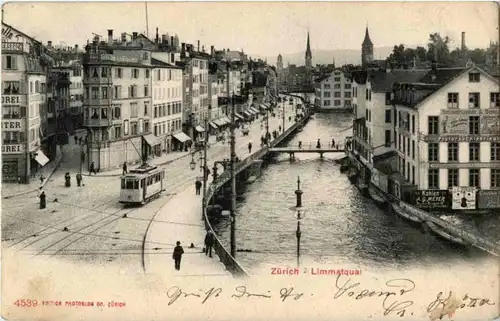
164 39
134 36
463 40
49 44
228 49
157 39
76 48
110 36
124 37
198 46
172 42
212 50
183 50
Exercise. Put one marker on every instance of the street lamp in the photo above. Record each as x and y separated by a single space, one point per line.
203 168
300 213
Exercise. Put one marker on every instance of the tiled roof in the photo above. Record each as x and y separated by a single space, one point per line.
440 76
320 79
159 63
382 81
359 76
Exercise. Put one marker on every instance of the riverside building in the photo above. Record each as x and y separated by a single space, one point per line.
117 100
334 92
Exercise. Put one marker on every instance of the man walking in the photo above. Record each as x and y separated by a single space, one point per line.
197 185
76 139
92 169
250 147
209 243
177 255
42 200
333 143
124 168
78 179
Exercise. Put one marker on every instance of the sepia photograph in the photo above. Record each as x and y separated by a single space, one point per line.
250 161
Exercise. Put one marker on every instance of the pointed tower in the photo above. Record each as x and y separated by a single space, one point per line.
279 63
308 53
366 49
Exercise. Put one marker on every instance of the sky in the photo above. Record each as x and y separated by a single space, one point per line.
261 28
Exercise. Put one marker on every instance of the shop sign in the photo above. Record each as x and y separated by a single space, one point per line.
431 199
488 199
463 198
471 112
454 124
12 148
11 100
12 46
463 165
490 125
467 138
12 124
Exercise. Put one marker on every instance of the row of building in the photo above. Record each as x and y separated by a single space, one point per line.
119 89
431 132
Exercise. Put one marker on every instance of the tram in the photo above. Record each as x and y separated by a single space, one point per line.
141 185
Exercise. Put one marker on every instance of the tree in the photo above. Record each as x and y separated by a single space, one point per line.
438 48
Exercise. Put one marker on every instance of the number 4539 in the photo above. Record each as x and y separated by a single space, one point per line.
26 303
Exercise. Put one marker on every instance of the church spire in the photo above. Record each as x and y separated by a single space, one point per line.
367 41
308 53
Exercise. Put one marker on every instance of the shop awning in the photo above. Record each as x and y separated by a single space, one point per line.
255 110
249 111
199 129
246 113
151 140
182 137
213 125
239 116
41 158
263 106
219 122
227 120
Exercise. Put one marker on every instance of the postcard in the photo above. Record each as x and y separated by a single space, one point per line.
250 161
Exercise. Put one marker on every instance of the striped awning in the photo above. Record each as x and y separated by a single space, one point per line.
199 129
239 116
219 122
227 120
213 125
246 113
254 110
151 140
181 136
263 106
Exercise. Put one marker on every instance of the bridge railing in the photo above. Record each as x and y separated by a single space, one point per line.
312 146
224 255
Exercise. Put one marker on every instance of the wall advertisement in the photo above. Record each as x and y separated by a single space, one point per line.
488 199
463 198
432 199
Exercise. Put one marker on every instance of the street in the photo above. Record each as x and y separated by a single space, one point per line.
87 224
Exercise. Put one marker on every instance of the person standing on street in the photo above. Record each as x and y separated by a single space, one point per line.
318 144
78 179
250 147
124 168
197 185
43 203
76 139
209 243
177 255
92 169
333 143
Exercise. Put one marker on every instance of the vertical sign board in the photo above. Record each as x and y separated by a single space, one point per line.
431 199
488 199
463 198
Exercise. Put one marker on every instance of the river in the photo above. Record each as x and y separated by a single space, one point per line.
341 227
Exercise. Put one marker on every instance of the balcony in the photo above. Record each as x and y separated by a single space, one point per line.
97 101
97 81
97 122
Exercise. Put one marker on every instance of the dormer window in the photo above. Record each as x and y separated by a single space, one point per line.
452 100
474 77
473 100
145 56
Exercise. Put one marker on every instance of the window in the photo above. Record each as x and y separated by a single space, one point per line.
495 151
326 86
433 152
413 174
135 73
347 86
474 177
474 77
433 125
452 100
366 94
494 100
104 91
337 94
117 92
433 178
326 94
452 177
336 86
336 79
347 103
11 87
387 99
132 91
134 110
387 115
118 132
336 102
118 73
10 62
116 111
146 90
146 108
473 125
495 177
147 73
95 92
327 102
474 151
104 72
473 100
95 74
347 94
146 127
133 128
412 149
387 138
453 152
413 124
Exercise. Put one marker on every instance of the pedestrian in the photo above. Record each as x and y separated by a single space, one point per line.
250 147
198 186
42 197
124 168
42 179
177 255
78 179
318 144
209 243
300 144
76 139
289 118
79 141
279 128
67 179
92 169
333 143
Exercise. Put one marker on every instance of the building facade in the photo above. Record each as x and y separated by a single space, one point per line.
24 73
167 84
117 101
334 92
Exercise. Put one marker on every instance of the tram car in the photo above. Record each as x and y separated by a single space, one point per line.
141 185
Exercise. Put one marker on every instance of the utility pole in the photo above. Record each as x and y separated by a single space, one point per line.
205 171
283 116
298 206
233 182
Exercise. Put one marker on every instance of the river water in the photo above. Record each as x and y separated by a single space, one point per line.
341 227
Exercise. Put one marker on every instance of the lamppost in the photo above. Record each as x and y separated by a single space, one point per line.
283 116
203 168
233 181
299 215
